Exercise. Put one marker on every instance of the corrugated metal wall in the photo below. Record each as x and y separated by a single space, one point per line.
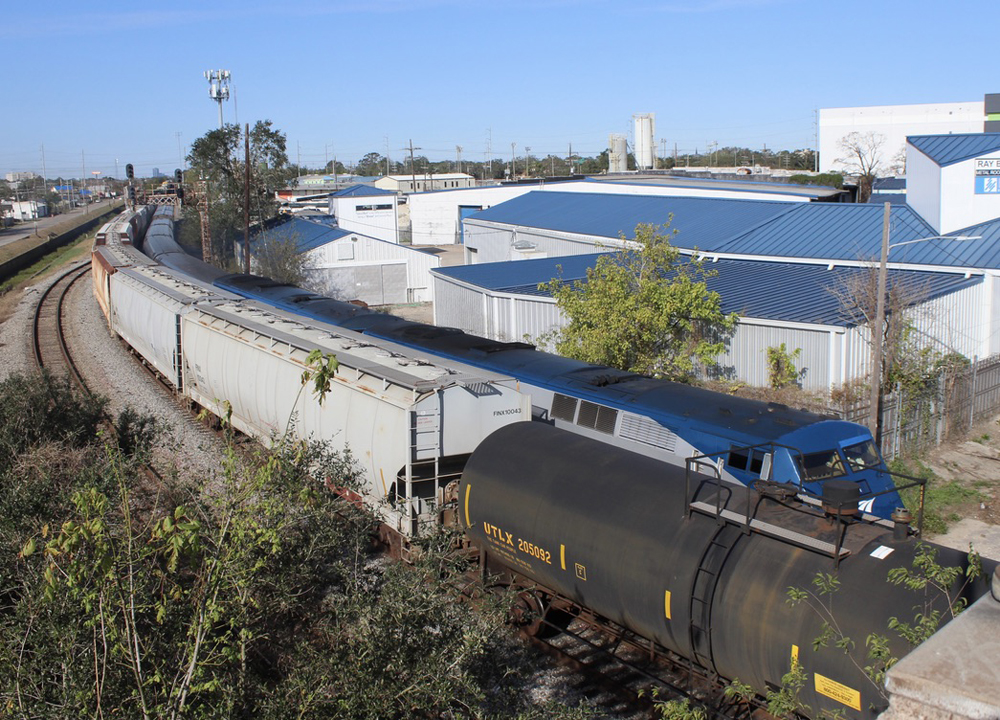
829 357
745 358
458 306
497 245
349 251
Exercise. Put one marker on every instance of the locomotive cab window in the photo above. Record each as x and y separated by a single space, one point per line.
822 465
862 455
746 459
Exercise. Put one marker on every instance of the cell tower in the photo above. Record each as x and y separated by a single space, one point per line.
218 88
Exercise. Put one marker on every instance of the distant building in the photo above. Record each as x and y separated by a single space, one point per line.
352 266
27 210
422 182
367 210
896 122
17 177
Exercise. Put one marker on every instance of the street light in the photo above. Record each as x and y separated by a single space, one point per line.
878 329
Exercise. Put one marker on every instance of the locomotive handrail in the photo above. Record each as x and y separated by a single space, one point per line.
714 461
706 460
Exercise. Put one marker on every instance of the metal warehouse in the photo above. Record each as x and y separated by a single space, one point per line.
352 266
502 301
437 218
778 263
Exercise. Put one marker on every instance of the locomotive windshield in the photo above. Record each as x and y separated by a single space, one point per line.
862 455
822 465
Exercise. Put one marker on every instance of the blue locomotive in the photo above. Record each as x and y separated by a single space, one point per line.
739 439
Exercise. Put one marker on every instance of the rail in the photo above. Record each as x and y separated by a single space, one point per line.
48 336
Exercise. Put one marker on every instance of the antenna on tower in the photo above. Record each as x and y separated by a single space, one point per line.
218 88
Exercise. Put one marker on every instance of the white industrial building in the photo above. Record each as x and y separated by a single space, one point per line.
437 218
367 210
423 182
22 210
778 263
896 122
352 266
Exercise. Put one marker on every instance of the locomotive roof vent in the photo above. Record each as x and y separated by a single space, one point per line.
842 495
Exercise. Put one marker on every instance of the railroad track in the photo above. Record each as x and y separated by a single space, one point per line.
48 337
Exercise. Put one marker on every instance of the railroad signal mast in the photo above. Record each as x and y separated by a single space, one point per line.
218 88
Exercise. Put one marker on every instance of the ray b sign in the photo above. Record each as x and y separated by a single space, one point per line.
987 176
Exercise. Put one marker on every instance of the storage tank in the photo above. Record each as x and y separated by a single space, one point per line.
617 154
645 148
611 531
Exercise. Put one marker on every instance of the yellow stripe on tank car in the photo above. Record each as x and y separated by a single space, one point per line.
468 488
666 603
795 653
562 556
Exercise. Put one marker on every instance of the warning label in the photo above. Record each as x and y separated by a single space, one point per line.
841 693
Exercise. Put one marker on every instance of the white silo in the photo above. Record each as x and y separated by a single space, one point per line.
645 145
617 153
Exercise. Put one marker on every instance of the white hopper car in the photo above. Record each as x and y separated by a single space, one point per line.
409 422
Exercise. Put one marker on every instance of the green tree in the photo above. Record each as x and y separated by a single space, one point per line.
781 370
643 309
279 258
218 156
372 163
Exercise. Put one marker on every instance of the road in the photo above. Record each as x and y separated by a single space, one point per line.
25 229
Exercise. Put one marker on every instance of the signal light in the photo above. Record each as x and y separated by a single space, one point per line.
178 175
129 171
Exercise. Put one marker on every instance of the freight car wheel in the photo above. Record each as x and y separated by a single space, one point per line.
535 615
528 614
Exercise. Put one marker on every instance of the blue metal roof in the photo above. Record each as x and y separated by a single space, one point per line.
306 234
887 197
834 231
889 183
361 191
704 223
821 231
748 186
950 149
806 295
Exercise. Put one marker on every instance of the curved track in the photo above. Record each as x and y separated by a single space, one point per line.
48 337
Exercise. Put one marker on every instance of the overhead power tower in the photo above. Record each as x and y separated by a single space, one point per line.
218 88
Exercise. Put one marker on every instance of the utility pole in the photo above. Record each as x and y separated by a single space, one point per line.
44 174
246 206
569 159
527 161
386 138
83 174
180 154
458 157
878 330
816 153
489 150
413 171
513 166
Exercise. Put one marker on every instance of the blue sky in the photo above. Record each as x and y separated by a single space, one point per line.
118 80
